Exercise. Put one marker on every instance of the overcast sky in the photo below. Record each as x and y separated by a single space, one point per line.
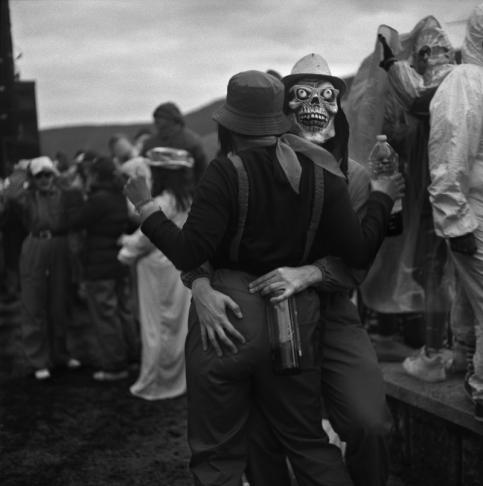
98 61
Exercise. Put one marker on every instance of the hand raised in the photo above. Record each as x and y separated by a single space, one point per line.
388 58
137 190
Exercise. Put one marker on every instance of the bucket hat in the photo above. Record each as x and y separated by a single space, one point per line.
253 105
313 65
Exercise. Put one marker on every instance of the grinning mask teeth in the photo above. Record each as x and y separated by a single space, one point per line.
313 106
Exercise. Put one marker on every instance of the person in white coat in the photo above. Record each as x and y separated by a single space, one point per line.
163 299
456 192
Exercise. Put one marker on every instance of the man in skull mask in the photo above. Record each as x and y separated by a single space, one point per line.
352 384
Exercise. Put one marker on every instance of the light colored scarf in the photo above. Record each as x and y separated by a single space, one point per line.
286 147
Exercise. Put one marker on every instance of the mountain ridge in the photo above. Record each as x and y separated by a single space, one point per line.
70 139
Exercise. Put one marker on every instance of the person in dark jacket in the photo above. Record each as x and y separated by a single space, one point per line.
104 217
171 132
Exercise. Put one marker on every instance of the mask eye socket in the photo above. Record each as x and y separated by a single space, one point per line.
302 94
329 94
424 51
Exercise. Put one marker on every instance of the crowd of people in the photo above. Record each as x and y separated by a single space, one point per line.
79 237
182 262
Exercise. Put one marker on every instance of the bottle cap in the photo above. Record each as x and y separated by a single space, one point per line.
381 138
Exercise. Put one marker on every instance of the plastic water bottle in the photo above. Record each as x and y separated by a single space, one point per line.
284 335
384 162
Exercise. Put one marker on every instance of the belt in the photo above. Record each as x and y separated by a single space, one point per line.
47 234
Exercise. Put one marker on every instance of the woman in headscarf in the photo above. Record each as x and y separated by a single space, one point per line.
163 299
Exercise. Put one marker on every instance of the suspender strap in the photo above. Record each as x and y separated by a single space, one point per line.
243 193
317 207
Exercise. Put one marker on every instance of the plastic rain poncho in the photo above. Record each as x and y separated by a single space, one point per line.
390 286
456 143
407 84
456 191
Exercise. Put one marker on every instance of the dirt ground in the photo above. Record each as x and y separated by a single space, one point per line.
73 431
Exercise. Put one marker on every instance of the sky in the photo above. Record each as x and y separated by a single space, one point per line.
114 61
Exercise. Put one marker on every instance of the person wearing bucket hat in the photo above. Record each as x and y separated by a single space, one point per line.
358 415
251 213
171 132
253 106
41 206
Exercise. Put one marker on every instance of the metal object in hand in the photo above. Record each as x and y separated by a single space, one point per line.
284 335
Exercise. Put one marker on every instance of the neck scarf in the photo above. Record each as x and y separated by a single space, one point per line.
286 147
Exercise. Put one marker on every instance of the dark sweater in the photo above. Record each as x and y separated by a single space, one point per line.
277 219
104 216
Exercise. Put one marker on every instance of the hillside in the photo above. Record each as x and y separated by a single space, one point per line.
95 137
72 138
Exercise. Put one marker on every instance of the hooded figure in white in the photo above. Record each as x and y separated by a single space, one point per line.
456 190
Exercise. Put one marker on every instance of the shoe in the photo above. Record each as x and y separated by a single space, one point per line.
473 386
426 368
467 387
457 360
478 409
43 374
73 364
110 375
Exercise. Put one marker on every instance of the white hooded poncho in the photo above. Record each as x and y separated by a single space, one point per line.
456 140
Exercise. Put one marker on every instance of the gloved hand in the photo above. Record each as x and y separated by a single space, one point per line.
388 56
465 244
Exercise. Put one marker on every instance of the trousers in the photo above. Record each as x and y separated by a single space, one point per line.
222 391
467 310
44 282
353 398
114 326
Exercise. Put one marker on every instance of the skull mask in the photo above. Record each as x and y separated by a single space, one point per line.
313 106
